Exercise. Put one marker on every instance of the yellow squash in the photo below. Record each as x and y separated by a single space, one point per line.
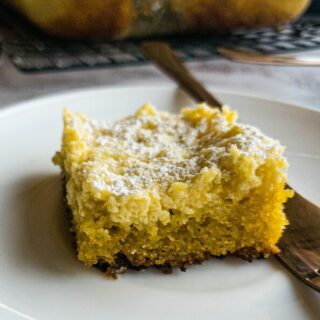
127 18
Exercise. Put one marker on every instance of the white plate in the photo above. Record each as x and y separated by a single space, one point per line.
40 277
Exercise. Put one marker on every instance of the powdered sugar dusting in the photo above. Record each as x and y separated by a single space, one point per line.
135 153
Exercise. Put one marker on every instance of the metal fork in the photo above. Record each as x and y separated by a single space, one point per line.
268 59
300 243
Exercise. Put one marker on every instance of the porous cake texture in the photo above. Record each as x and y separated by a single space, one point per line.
163 190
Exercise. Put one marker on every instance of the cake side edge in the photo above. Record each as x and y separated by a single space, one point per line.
123 264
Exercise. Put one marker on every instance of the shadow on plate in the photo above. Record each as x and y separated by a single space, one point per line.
44 243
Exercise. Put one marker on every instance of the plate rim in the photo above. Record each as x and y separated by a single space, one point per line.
35 102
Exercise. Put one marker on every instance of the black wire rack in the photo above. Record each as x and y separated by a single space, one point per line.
31 51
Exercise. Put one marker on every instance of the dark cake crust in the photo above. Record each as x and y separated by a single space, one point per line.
123 264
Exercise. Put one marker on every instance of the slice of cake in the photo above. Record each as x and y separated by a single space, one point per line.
163 190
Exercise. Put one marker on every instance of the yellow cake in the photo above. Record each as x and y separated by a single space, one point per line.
163 190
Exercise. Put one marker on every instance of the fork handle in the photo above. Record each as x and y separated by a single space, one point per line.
165 58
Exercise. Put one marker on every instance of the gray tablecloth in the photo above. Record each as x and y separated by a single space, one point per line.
298 85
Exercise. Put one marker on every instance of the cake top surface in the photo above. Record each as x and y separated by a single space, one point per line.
155 148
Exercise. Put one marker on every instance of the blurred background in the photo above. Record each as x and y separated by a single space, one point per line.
315 7
89 48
